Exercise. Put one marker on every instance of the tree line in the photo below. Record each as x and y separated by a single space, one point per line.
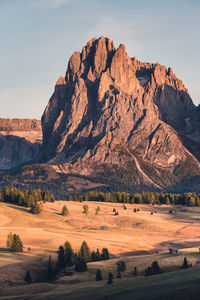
159 198
28 197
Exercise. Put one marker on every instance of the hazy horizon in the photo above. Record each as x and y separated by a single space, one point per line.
39 36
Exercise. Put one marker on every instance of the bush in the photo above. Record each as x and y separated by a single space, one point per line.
135 210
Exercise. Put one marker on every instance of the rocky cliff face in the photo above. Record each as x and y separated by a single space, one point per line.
113 117
20 140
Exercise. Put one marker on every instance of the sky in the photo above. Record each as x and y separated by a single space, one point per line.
37 38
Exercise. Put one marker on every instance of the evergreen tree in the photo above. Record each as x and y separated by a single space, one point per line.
80 265
61 257
155 268
36 208
98 255
17 245
97 210
119 274
121 266
85 209
185 263
28 277
135 273
50 269
84 252
105 254
69 254
65 210
148 271
93 256
110 278
98 275
10 240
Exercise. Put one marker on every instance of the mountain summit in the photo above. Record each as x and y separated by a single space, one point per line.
114 118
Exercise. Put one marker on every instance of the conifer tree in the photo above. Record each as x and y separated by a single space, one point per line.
80 265
110 278
65 210
84 252
69 254
50 269
98 275
61 257
119 274
85 209
10 240
105 254
28 278
135 273
185 263
97 210
17 245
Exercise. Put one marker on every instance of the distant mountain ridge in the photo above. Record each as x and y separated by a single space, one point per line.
122 123
20 140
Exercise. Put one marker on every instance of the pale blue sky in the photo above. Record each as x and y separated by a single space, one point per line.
37 37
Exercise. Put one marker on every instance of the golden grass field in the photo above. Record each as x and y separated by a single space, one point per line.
130 235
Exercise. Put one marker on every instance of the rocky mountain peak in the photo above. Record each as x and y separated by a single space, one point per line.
112 110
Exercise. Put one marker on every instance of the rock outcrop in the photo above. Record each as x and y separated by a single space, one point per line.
20 140
113 117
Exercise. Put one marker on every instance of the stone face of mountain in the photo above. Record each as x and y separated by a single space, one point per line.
115 117
20 140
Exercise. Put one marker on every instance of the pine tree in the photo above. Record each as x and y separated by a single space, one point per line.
105 254
17 245
135 273
121 266
110 278
93 256
69 254
97 210
85 209
148 271
84 252
10 240
155 268
61 257
50 270
28 278
65 210
119 274
36 208
185 263
80 265
98 255
98 275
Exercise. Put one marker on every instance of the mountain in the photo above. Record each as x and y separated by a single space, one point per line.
20 140
121 122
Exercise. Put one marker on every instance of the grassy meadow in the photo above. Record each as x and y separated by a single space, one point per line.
138 238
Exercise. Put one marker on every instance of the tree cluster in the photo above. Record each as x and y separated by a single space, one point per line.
154 269
14 243
26 198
